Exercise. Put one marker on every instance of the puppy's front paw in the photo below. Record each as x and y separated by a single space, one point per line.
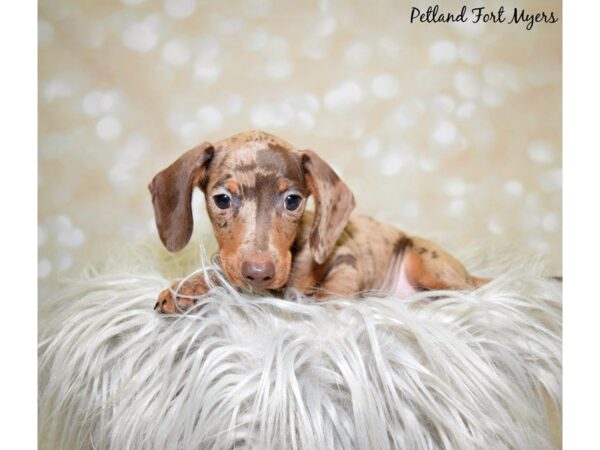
165 303
168 303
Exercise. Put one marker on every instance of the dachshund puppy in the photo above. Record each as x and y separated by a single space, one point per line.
256 187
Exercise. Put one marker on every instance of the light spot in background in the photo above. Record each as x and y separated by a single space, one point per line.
541 152
279 68
513 188
60 86
207 71
442 52
391 163
141 37
276 46
370 148
467 84
128 158
427 164
45 33
457 207
444 133
209 118
316 47
189 133
492 97
71 237
306 120
108 128
385 86
257 40
62 261
207 48
455 187
502 76
42 236
444 104
496 226
311 102
180 9
550 222
410 208
136 146
324 26
96 103
232 104
551 180
357 54
44 268
175 52
265 116
133 2
466 111
120 174
390 48
343 96
408 114
91 103
60 222
469 53
229 25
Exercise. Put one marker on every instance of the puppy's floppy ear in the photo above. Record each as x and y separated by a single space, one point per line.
172 195
334 202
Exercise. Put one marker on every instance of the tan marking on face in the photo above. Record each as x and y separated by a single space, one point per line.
283 185
281 240
229 241
232 187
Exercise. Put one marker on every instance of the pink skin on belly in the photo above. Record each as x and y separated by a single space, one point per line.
396 282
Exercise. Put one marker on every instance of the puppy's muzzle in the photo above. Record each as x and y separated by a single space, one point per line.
258 273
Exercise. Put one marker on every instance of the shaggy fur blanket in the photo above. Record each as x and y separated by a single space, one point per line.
440 370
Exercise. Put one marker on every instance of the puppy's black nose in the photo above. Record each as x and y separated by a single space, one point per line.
258 273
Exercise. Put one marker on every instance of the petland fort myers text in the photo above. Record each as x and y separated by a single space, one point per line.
516 16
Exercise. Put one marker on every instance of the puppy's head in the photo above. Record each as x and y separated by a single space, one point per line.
256 187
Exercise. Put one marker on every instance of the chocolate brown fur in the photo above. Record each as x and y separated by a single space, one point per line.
264 246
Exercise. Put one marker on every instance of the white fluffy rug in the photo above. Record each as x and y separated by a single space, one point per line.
479 370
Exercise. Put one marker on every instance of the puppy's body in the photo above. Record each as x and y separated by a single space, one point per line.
256 187
376 258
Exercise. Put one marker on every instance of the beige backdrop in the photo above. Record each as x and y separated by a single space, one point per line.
448 131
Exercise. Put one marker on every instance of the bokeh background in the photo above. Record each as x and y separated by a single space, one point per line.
448 131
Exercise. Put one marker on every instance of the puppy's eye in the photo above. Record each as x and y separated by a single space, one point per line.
222 201
292 202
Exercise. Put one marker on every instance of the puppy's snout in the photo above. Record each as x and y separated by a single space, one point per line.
258 273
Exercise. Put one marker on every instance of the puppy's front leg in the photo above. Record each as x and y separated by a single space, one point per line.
341 279
168 303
